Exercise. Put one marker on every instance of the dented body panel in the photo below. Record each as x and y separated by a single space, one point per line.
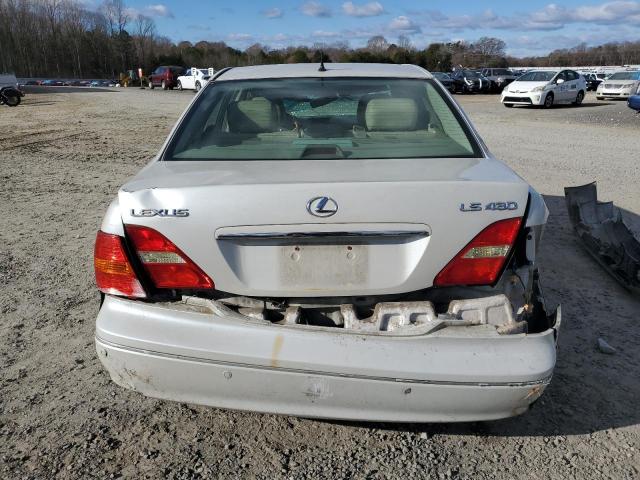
320 288
223 359
605 236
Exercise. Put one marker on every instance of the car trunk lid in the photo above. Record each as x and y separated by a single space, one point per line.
249 225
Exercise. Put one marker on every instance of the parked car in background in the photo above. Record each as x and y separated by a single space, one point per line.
52 83
445 79
194 78
592 81
545 88
8 80
468 81
165 77
499 77
333 243
619 85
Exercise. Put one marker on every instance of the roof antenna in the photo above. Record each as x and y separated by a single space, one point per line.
322 67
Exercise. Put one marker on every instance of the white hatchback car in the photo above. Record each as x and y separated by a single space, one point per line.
545 88
194 78
619 85
334 243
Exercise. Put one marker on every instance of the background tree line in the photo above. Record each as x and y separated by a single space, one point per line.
62 38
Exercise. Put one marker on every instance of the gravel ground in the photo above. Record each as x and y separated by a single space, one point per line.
63 157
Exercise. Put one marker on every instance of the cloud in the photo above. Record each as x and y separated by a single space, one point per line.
404 25
551 17
315 9
325 34
157 10
273 13
240 37
371 9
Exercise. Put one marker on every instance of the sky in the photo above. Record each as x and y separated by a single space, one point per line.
529 28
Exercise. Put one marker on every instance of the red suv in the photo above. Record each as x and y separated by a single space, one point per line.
165 77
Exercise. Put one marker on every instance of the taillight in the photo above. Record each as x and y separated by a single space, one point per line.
166 265
480 262
114 273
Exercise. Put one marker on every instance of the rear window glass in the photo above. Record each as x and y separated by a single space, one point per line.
315 118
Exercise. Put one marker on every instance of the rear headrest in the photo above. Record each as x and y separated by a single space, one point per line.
391 114
257 115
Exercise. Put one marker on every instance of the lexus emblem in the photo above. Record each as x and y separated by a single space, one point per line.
322 206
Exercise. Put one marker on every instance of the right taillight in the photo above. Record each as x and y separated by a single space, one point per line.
114 273
481 261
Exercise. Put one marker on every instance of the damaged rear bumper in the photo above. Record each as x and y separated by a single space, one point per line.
606 237
458 372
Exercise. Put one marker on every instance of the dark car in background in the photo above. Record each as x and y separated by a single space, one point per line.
593 81
165 77
468 81
499 77
52 83
445 79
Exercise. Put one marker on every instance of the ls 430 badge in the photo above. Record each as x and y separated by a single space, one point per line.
163 212
477 206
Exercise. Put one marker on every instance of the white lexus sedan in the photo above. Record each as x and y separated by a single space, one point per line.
327 242
545 88
619 85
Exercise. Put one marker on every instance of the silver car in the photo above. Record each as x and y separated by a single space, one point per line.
333 243
619 85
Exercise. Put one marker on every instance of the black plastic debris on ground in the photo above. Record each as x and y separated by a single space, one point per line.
604 234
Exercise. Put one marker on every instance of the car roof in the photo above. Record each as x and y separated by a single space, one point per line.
295 70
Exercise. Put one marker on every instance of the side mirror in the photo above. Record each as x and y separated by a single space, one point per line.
559 81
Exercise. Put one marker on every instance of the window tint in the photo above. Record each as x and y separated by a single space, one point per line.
539 76
625 76
313 118
571 75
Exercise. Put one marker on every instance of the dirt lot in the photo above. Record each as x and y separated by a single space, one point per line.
63 157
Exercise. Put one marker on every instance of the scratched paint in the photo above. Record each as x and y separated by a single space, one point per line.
275 351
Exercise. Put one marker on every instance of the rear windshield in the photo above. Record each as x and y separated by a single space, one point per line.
625 76
316 118
537 76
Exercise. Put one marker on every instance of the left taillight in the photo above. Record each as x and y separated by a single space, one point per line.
166 265
114 272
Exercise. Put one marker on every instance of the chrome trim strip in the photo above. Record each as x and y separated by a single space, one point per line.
174 356
351 234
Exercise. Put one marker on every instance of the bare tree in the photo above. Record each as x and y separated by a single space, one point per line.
145 31
404 42
490 47
377 44
116 13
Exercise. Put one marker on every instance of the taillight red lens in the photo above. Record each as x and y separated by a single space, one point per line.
166 264
480 262
114 273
